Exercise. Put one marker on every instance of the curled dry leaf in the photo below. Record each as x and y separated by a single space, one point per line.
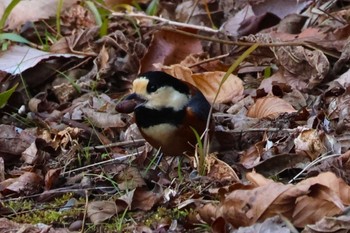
244 207
130 178
269 106
169 47
28 183
303 203
51 178
144 199
219 170
99 211
33 11
310 143
330 224
209 82
303 68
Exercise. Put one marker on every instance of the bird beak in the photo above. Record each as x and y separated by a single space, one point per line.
129 103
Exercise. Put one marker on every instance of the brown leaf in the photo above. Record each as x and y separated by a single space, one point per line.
33 11
99 211
13 141
11 226
144 199
310 143
208 83
219 170
252 156
169 48
17 58
319 202
330 224
207 212
130 178
303 203
269 106
28 183
243 207
51 178
331 181
304 69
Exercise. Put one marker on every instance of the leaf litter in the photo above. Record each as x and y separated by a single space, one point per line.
280 160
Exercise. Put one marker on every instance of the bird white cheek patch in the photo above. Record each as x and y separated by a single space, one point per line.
167 97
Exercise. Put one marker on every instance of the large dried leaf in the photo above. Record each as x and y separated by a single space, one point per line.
303 203
330 224
17 58
270 106
304 69
245 206
99 211
27 10
169 48
208 83
13 141
319 202
144 199
28 183
11 226
310 143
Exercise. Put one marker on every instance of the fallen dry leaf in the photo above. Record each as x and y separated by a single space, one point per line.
269 106
169 48
18 59
11 226
330 224
51 178
130 178
303 203
144 199
208 83
244 207
28 183
27 10
100 211
303 68
310 143
13 141
319 202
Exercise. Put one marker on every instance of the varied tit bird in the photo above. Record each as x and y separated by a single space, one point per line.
165 109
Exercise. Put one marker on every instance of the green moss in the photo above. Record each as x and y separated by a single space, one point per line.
164 214
27 211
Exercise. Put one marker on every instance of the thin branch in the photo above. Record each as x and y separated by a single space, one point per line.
167 21
101 163
125 143
192 11
209 60
319 159
251 130
230 42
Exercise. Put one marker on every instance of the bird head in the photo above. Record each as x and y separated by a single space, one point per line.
158 90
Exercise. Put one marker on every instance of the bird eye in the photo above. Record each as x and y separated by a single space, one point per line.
152 88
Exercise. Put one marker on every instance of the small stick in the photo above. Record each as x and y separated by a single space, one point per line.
125 143
209 60
85 211
101 163
167 21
